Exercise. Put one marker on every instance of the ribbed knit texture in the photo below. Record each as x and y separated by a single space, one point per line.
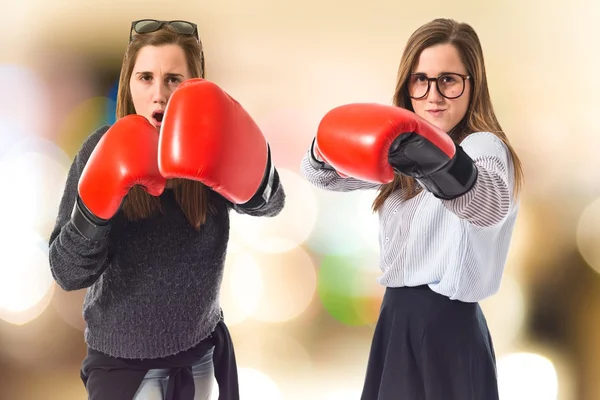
153 284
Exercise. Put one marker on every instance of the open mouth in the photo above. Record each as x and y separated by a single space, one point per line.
157 117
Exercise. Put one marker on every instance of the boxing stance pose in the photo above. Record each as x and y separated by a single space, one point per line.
447 182
144 223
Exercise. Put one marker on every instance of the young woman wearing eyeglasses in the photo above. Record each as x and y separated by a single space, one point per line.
144 223
447 182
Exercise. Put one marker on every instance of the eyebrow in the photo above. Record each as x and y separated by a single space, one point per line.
441 73
169 74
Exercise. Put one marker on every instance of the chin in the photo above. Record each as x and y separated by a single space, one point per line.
440 125
445 128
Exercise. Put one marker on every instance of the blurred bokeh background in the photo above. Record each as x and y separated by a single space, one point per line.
300 292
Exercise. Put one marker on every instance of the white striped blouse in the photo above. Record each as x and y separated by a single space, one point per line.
458 247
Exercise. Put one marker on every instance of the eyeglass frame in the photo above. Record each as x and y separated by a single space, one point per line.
437 87
161 23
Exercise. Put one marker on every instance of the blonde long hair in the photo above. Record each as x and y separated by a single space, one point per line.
480 113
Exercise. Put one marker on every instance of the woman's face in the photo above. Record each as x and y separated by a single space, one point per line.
443 61
157 72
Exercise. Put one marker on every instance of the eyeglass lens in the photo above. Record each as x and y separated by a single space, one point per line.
146 26
184 28
449 85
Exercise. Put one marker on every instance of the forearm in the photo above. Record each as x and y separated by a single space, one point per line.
488 202
75 261
329 179
268 201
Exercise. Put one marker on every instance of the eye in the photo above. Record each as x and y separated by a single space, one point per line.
448 79
173 80
145 77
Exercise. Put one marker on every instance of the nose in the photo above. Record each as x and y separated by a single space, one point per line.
159 93
434 95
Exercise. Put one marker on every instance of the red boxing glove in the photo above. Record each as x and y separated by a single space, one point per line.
372 141
317 160
207 136
125 156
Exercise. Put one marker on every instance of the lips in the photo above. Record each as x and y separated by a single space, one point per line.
436 112
157 117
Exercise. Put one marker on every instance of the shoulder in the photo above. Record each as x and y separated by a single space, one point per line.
90 143
485 144
93 138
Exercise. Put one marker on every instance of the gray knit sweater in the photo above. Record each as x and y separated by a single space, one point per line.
153 285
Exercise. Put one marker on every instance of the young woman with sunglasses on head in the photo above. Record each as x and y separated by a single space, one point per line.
144 223
448 182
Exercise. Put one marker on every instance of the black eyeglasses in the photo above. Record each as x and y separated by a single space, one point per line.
152 25
449 85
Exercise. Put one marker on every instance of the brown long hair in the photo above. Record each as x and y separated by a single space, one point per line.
191 196
480 113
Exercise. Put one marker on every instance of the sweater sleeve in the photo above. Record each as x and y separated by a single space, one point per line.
489 201
270 208
75 261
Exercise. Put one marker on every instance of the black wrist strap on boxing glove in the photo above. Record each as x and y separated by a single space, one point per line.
454 179
315 161
267 188
446 178
87 224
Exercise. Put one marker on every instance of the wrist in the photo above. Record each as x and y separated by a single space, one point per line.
87 224
267 188
315 160
456 178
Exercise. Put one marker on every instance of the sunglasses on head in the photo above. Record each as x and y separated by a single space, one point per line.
152 25
181 27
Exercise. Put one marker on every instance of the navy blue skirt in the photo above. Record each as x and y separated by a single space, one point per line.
428 347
